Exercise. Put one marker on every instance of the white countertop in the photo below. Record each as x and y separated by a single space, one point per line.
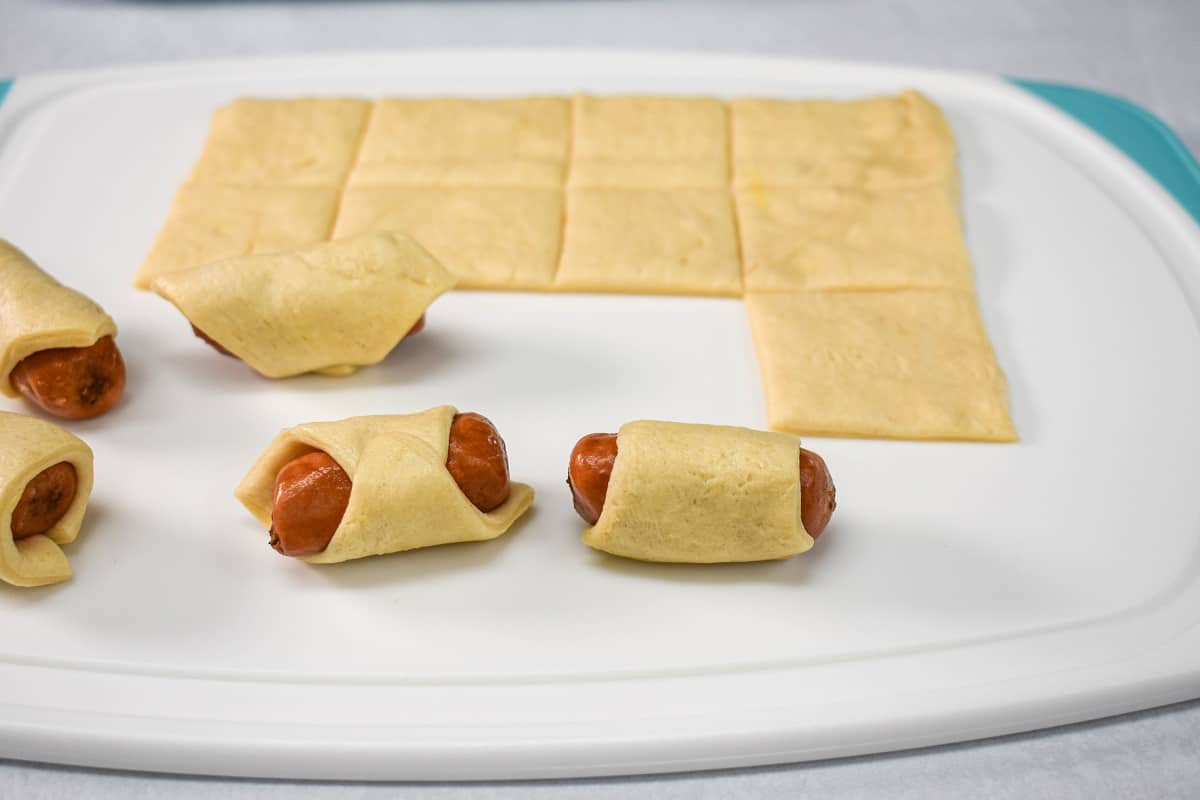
1145 51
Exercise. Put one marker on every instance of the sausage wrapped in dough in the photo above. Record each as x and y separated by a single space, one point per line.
701 494
29 447
402 496
330 308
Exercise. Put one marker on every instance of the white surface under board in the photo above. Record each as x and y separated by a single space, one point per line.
1067 239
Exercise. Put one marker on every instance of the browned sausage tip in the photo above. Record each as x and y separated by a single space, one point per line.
311 495
73 382
818 495
45 500
477 460
589 471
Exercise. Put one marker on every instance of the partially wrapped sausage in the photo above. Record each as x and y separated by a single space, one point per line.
56 345
330 308
698 494
402 494
45 482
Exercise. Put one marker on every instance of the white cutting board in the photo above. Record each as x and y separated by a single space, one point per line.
962 590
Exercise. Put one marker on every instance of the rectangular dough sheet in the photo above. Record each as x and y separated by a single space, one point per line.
912 364
680 241
490 237
827 238
302 142
209 222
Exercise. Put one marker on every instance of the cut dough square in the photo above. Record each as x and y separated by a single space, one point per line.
304 142
646 128
810 238
912 364
207 223
491 238
459 129
875 143
680 241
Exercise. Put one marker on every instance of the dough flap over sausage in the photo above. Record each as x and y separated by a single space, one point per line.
402 495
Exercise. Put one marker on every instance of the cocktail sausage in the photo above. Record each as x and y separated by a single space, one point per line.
73 382
313 491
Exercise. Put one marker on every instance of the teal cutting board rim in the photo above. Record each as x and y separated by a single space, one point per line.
1130 128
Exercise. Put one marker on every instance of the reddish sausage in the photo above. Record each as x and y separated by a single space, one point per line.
591 465
478 461
312 491
818 495
589 471
311 495
73 382
45 500
417 327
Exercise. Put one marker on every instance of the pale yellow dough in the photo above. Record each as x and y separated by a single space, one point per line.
876 143
330 308
680 174
476 129
650 128
913 364
301 142
402 498
491 238
208 223
467 173
28 446
701 494
680 241
814 238
39 313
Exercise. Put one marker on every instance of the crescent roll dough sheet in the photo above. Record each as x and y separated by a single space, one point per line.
39 313
678 241
848 195
28 446
877 143
701 494
330 308
491 237
308 141
912 364
209 222
453 141
402 495
813 238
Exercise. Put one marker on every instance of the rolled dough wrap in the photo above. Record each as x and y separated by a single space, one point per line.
701 494
402 495
329 308
39 313
28 446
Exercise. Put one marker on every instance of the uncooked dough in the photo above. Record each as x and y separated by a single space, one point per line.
678 241
330 308
702 494
39 313
28 446
402 495
207 223
912 364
